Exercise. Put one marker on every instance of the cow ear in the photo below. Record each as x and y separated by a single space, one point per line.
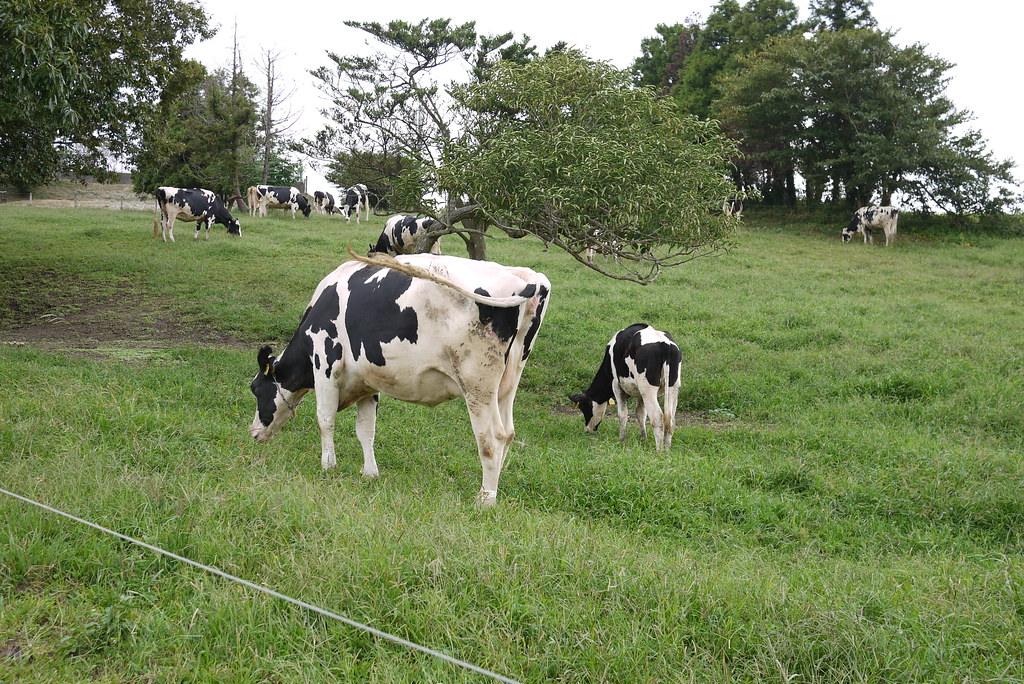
265 358
576 399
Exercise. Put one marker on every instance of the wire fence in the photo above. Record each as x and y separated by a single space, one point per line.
270 592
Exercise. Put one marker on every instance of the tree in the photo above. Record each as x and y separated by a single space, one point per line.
274 123
566 149
662 57
393 110
841 15
203 136
852 109
80 79
731 31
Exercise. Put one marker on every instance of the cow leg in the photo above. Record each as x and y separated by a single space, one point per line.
492 442
366 428
326 409
649 396
671 402
170 227
621 409
641 414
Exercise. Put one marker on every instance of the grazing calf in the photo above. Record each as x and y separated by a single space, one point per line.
285 197
638 362
193 204
324 202
357 197
733 207
420 328
399 235
867 218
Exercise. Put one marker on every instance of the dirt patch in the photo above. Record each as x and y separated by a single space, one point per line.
709 420
92 319
12 650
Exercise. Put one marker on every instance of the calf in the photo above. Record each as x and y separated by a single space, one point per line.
357 197
867 218
280 196
252 198
421 328
638 362
324 202
193 204
399 235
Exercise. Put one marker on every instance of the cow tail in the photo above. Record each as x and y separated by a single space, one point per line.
386 261
156 218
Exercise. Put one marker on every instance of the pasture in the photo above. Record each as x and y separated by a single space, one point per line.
843 500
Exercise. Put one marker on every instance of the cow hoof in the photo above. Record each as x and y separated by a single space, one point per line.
486 499
370 473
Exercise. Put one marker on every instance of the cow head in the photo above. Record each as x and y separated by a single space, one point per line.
593 412
234 228
274 404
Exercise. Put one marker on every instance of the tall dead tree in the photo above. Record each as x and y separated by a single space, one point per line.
277 118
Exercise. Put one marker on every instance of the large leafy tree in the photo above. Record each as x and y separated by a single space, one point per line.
567 150
854 112
80 76
559 147
841 15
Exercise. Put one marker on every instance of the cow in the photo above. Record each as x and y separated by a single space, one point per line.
421 328
252 199
867 218
399 235
640 362
324 203
356 197
733 207
274 196
193 204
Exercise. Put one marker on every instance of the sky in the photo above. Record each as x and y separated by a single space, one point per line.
978 37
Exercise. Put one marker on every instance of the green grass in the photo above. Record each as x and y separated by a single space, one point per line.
843 502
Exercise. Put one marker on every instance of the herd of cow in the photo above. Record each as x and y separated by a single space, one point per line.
426 328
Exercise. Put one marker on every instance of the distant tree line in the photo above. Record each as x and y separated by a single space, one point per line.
833 101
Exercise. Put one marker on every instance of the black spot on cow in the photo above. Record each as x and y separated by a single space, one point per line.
535 324
503 320
374 317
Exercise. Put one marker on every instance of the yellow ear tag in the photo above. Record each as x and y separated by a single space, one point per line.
576 405
266 371
611 402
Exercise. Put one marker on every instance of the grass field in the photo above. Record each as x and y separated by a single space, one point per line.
844 499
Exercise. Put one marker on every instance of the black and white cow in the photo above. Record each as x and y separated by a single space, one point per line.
357 197
193 204
423 328
280 196
866 219
640 362
733 207
399 235
324 202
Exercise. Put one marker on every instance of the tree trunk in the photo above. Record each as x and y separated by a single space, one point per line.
476 244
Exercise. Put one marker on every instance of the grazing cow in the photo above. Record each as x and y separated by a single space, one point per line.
324 202
733 207
252 198
638 362
280 196
399 235
867 218
357 197
193 204
421 328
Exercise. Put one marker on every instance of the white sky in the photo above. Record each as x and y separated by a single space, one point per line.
978 37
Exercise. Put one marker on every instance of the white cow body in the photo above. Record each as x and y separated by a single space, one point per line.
371 330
